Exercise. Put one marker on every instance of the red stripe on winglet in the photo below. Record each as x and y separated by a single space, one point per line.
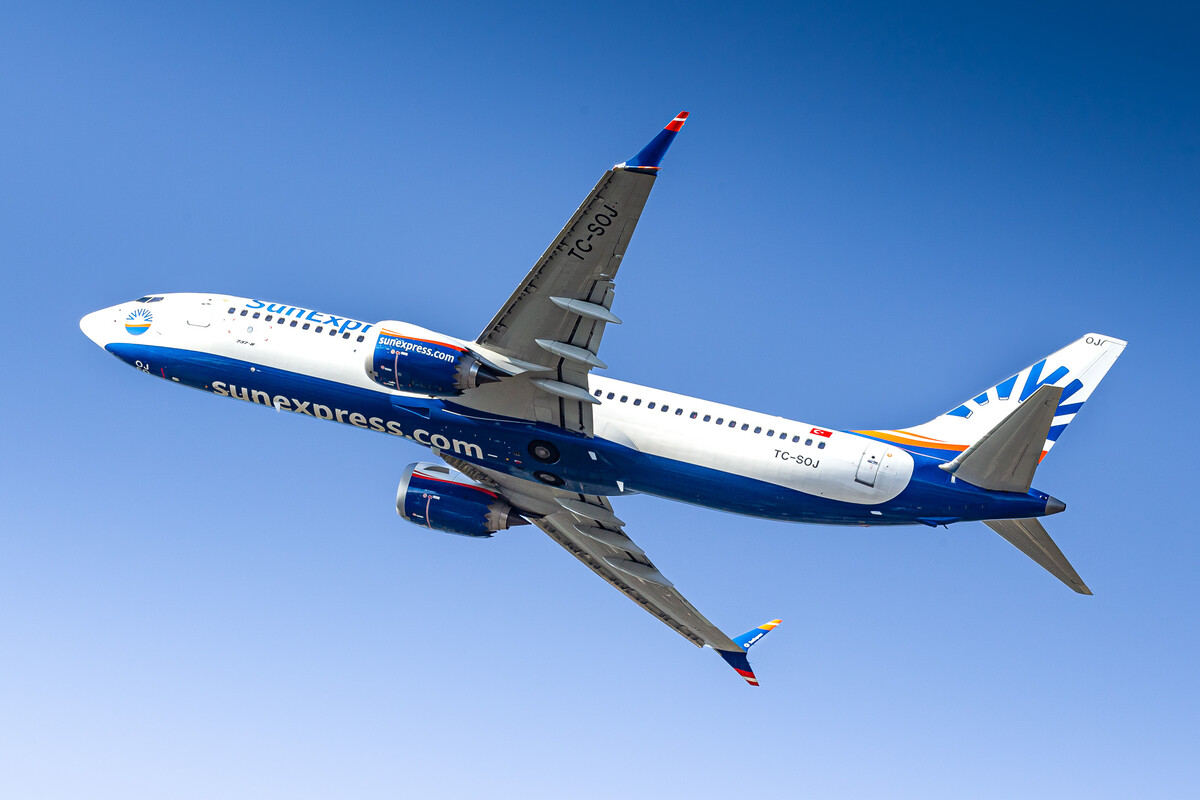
677 123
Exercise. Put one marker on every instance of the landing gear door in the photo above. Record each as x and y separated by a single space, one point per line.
868 465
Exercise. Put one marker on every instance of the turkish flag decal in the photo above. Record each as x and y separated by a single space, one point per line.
821 432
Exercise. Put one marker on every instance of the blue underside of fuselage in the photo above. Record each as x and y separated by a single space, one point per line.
585 464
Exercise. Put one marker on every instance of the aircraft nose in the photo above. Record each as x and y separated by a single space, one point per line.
99 326
1054 505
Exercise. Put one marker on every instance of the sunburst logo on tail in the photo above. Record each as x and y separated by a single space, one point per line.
138 321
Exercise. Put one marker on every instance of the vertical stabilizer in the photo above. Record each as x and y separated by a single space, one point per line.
1077 369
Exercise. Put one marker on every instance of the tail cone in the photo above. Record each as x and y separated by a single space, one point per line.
1055 506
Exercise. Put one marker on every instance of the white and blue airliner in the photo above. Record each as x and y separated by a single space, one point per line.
527 432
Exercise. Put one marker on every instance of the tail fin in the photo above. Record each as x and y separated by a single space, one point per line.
1077 369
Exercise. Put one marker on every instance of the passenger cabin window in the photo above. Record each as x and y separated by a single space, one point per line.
305 327
679 411
637 401
293 324
732 423
795 438
624 397
808 442
318 330
244 312
650 404
820 445
232 310
745 426
268 317
707 417
692 415
610 395
769 433
665 409
256 315
360 338
720 420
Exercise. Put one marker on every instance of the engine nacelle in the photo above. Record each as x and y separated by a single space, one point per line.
409 362
445 500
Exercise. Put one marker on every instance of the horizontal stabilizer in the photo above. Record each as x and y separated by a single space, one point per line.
1005 459
737 658
1030 537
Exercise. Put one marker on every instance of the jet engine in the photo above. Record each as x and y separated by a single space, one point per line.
425 366
445 500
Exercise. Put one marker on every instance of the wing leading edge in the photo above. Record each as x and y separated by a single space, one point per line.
554 320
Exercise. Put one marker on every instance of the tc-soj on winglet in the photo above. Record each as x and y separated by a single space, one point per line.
737 658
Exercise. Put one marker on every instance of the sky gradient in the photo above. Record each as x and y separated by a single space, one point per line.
871 215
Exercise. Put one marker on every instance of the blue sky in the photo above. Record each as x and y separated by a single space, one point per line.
872 213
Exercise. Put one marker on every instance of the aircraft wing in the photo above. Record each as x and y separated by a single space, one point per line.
586 527
552 324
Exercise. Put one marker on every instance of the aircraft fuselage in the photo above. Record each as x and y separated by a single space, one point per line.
645 440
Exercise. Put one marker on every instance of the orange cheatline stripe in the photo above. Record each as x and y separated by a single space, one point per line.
889 436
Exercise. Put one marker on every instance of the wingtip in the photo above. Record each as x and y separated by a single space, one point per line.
751 637
741 665
650 157
737 658
676 124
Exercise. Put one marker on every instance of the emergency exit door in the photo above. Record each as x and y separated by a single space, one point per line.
868 465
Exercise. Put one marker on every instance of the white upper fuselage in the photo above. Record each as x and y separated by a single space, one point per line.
675 428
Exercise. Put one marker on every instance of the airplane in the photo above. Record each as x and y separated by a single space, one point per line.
528 433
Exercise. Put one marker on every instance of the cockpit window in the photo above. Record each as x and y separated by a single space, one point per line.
149 299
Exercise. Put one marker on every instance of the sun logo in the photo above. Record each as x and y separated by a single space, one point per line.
138 322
